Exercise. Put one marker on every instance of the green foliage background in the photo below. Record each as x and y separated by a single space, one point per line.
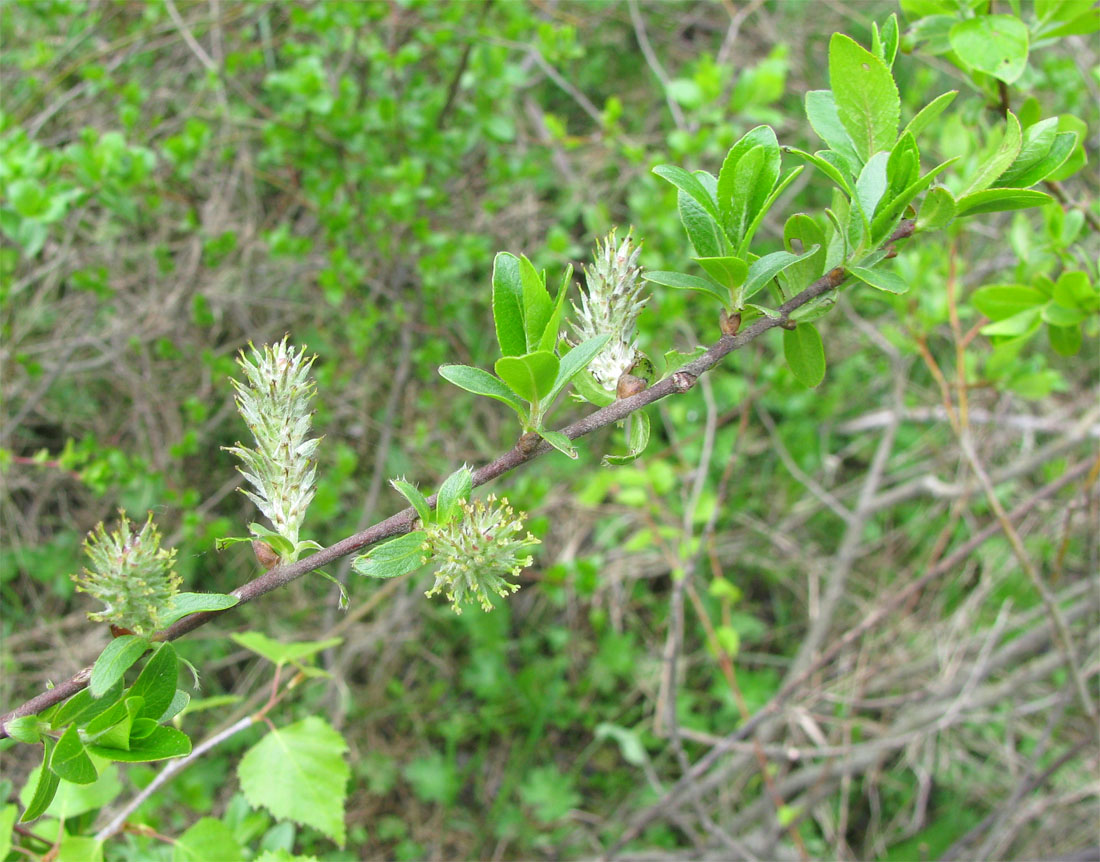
182 179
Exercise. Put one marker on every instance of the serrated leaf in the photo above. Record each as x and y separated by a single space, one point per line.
574 362
764 269
508 305
185 604
117 658
683 281
278 652
482 383
157 682
867 100
162 744
994 44
881 279
805 354
530 376
299 773
416 499
45 788
393 558
559 441
455 488
207 839
1001 200
70 761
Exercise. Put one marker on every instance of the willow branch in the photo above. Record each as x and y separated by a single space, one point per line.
400 523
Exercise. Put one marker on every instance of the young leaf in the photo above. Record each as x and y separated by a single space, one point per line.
455 488
117 657
880 279
508 304
750 231
826 167
207 839
45 788
805 354
585 385
999 200
183 604
867 100
701 228
768 267
278 652
683 281
1022 176
727 271
25 729
537 306
871 186
162 744
929 113
998 301
690 185
559 441
637 440
157 682
82 707
416 499
994 44
299 773
800 233
885 45
112 728
482 383
574 362
890 213
394 558
530 376
70 761
1065 340
749 173
550 332
994 164
937 211
825 121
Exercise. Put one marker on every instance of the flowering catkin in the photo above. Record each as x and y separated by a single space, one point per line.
610 307
274 402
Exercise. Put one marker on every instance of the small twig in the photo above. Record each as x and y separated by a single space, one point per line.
655 64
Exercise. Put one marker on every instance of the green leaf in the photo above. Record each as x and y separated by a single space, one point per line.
1019 176
72 800
822 113
729 272
585 385
117 657
998 301
764 269
79 848
455 488
162 744
559 441
805 354
82 707
508 305
537 306
886 44
45 787
574 362
629 741
690 185
871 186
999 200
800 233
1074 290
530 376
299 773
682 281
929 113
637 440
1024 322
993 164
482 383
70 761
749 173
157 682
826 167
750 232
880 279
937 211
24 729
184 604
1065 340
867 100
416 499
278 652
550 333
207 839
702 230
179 703
393 558
903 166
112 728
890 214
994 44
